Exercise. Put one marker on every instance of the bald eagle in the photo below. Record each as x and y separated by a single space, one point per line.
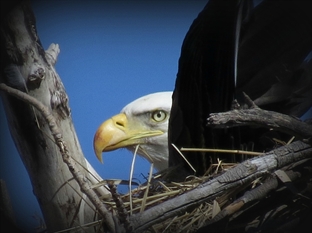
256 47
142 122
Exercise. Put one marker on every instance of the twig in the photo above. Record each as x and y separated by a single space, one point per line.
122 212
180 153
143 204
221 151
131 175
95 223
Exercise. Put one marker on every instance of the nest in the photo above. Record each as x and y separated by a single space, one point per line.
160 191
270 200
267 192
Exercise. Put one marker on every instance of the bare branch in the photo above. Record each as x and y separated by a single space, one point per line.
57 135
259 117
240 175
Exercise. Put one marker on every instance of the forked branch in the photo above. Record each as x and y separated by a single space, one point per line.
259 117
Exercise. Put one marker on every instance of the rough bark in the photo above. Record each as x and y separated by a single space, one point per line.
25 66
66 156
256 116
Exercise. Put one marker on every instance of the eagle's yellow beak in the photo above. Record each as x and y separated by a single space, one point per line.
118 132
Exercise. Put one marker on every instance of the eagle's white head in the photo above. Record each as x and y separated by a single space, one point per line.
143 122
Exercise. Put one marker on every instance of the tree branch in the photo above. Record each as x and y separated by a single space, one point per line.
57 135
259 117
239 176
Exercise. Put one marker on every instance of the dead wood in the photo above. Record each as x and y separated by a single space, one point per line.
280 186
67 158
239 176
258 117
40 134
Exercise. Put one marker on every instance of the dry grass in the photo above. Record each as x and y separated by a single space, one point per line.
160 191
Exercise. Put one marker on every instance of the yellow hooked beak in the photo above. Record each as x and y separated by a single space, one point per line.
118 132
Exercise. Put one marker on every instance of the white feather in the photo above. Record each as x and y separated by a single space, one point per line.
140 111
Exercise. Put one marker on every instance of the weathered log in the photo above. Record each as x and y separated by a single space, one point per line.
239 176
277 186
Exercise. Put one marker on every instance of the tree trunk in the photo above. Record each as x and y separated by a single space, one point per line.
28 68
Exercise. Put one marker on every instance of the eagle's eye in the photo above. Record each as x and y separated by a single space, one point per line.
159 115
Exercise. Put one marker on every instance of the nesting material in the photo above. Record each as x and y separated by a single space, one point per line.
259 200
160 191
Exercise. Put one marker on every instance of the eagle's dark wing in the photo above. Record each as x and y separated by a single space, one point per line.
205 79
259 48
272 65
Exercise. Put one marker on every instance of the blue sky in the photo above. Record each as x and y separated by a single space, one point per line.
111 54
